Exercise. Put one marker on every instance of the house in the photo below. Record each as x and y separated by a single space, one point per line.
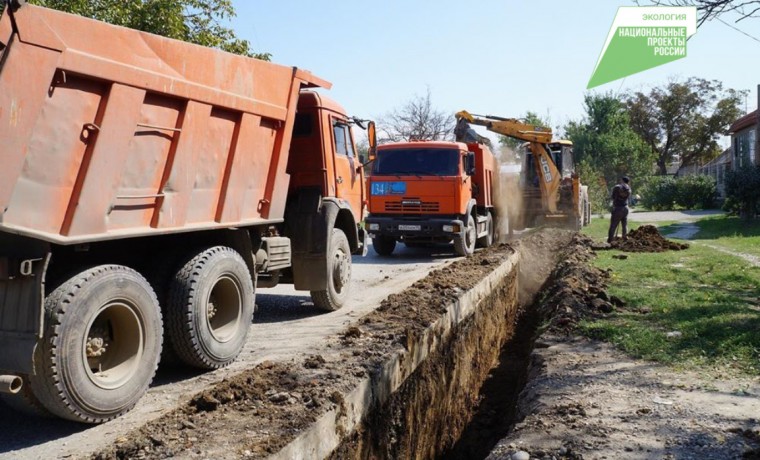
744 149
745 139
717 168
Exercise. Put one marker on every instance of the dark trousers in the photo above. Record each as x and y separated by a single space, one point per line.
619 217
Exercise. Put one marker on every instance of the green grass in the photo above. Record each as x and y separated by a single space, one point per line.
712 299
731 233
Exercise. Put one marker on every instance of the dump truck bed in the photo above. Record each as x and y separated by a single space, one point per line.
119 133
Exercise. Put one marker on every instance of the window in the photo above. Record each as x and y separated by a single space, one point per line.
343 144
744 148
752 141
417 161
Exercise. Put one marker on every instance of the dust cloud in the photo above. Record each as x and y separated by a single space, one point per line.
507 197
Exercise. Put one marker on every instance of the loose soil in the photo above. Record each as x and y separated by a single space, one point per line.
256 413
586 400
581 399
646 238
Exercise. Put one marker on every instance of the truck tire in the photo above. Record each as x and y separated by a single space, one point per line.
338 274
100 347
383 245
487 240
465 245
160 276
210 308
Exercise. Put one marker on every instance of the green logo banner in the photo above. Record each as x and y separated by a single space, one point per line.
642 38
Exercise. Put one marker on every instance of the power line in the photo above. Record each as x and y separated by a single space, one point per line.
739 30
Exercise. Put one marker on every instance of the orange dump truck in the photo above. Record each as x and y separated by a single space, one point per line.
147 187
432 192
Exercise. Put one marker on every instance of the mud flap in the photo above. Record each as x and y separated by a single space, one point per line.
363 243
308 223
22 294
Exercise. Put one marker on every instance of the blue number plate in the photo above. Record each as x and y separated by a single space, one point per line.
388 188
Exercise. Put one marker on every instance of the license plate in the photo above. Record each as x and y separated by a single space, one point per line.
410 228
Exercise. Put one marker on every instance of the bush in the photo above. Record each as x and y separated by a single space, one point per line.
659 193
690 192
743 190
696 192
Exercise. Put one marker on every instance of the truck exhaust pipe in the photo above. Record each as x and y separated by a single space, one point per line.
10 384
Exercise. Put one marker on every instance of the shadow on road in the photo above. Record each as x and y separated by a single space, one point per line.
18 431
404 254
272 308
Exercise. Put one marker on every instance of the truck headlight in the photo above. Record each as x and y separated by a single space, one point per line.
374 227
448 228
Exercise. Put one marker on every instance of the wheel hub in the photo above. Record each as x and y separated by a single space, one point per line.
113 345
97 343
223 309
211 309
341 271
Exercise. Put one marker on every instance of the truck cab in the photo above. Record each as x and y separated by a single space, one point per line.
428 192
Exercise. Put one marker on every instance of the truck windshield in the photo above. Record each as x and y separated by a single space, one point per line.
418 161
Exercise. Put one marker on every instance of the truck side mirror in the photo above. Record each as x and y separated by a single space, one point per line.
469 163
372 139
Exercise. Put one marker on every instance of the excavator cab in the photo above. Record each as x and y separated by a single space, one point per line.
562 155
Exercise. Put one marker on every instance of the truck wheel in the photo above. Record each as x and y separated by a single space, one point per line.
487 240
210 308
338 274
160 276
384 245
465 245
100 346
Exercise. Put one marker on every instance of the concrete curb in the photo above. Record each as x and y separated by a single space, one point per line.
327 433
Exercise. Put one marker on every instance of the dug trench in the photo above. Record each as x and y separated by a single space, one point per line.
434 372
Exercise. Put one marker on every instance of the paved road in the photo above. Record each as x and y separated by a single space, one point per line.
662 216
285 326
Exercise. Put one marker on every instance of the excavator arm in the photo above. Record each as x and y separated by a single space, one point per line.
537 136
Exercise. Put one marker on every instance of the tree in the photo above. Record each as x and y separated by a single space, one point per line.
194 21
530 118
417 119
605 142
713 9
684 120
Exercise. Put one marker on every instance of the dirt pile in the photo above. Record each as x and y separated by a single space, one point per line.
646 239
579 289
284 398
401 317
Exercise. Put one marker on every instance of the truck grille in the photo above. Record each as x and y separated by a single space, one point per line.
412 206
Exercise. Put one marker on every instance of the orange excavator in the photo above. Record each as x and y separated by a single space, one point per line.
551 189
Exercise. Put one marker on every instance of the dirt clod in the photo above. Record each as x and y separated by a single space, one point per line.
314 362
646 239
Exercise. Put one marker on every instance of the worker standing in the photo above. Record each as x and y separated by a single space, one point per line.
620 194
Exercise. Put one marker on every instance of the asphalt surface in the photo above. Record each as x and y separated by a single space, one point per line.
285 326
663 216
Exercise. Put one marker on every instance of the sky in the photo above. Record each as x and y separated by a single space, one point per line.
500 57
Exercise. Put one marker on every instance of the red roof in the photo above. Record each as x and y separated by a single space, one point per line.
745 121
